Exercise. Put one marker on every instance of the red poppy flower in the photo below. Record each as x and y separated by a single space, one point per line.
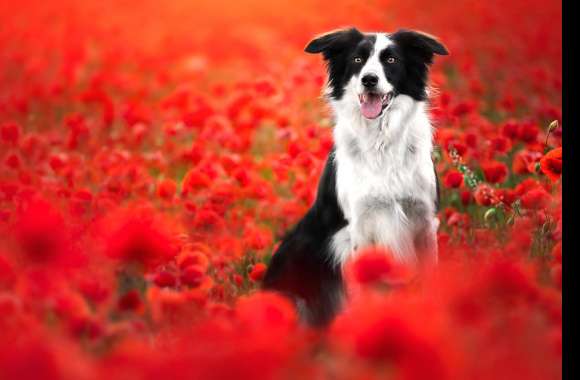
524 162
130 301
376 264
466 197
164 279
528 132
453 179
526 185
139 238
195 180
258 271
192 275
511 130
166 188
494 171
10 133
506 196
485 195
500 144
258 238
537 198
42 234
551 164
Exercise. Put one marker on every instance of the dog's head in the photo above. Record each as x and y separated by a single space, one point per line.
371 69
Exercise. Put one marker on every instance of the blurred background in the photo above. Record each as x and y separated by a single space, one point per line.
52 42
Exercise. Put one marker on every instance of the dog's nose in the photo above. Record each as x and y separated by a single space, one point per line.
370 80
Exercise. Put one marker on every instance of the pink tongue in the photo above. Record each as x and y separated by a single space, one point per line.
371 108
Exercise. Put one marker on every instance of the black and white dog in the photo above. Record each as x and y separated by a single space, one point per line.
379 185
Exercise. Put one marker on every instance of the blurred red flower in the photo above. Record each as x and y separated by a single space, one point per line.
192 276
376 265
485 195
194 180
10 133
551 164
140 238
453 179
257 272
494 171
43 235
524 162
130 301
528 132
164 279
536 198
166 188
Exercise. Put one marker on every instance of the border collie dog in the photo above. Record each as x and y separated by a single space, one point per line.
379 186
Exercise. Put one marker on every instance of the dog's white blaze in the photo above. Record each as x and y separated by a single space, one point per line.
373 64
373 162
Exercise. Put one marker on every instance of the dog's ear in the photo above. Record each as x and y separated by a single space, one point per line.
419 43
333 42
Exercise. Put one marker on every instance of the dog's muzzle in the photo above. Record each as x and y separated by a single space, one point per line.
373 103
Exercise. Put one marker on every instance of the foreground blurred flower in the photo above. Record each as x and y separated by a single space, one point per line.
378 335
266 310
376 265
43 236
140 238
29 360
7 274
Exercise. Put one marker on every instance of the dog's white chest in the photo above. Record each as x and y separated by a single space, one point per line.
386 187
361 184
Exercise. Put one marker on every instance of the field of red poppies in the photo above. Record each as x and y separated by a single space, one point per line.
153 153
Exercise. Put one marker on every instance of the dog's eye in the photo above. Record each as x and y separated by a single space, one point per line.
357 59
391 60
